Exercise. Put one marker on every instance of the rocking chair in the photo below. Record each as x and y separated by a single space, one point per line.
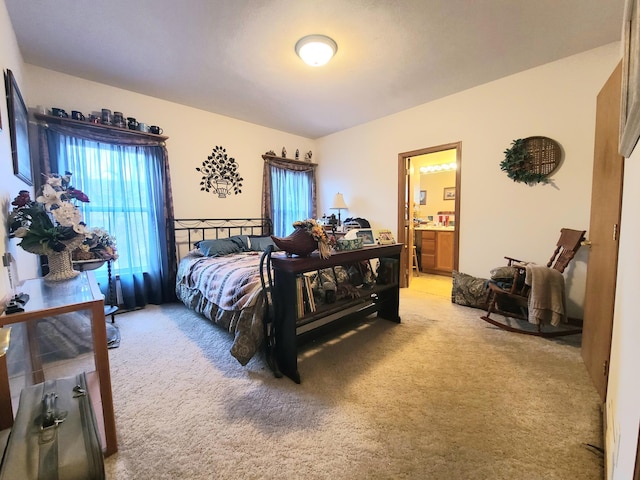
514 298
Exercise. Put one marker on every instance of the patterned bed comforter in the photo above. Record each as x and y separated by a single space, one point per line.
226 290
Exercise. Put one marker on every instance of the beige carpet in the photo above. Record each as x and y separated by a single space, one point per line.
443 395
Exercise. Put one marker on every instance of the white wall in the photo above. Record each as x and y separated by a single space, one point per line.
192 135
434 184
497 216
623 394
11 59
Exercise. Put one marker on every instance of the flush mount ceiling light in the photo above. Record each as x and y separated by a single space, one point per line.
316 50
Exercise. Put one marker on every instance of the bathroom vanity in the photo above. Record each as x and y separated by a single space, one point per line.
435 245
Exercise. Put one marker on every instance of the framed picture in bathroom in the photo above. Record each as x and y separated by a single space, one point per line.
449 193
423 197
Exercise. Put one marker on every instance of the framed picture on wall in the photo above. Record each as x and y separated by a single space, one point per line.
630 102
423 197
18 130
449 193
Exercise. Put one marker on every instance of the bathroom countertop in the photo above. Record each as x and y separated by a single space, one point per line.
431 227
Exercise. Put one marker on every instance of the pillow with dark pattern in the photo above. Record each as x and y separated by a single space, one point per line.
469 291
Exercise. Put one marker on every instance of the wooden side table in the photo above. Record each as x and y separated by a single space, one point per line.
47 299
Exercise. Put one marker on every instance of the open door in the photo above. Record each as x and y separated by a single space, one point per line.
407 179
604 228
405 218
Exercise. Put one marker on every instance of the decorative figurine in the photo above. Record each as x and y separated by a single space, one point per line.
284 152
307 156
272 153
297 154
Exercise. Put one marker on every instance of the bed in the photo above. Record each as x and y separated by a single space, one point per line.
218 276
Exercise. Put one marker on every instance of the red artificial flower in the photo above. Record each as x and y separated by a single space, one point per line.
22 199
77 194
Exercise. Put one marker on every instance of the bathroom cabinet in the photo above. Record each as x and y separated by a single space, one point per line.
436 250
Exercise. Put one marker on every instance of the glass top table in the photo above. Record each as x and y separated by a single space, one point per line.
48 299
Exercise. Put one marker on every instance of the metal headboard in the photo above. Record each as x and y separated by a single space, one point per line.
188 231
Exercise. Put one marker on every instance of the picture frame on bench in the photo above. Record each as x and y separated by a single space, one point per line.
385 237
366 234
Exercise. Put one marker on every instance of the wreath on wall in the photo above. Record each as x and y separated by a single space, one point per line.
531 160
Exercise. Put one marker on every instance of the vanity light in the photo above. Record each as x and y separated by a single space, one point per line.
443 167
316 50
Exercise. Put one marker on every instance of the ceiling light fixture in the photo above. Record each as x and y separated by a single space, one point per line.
316 50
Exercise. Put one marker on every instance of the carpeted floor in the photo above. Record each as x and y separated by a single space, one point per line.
443 395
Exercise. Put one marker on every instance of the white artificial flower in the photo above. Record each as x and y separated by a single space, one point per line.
49 197
21 232
54 181
67 215
81 228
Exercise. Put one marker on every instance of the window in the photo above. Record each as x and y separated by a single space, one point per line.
126 186
289 193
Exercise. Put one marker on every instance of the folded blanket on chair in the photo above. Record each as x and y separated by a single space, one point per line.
547 303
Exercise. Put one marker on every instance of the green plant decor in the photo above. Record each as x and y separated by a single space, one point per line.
517 164
220 174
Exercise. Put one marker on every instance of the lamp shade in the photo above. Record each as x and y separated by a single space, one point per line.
316 50
338 202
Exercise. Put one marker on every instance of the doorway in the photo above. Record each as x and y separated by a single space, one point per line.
411 195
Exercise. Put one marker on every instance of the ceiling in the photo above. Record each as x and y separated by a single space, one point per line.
237 58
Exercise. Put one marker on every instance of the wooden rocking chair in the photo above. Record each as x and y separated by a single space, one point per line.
512 299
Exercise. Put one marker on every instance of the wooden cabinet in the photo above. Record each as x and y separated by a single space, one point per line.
292 327
444 251
436 251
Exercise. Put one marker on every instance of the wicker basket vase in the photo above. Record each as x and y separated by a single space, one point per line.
298 243
60 266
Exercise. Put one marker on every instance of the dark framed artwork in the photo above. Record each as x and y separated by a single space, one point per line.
449 193
423 197
630 102
18 130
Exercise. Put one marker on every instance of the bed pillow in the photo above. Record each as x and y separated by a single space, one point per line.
220 247
242 240
260 244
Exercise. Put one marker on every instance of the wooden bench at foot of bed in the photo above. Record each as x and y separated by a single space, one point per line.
291 327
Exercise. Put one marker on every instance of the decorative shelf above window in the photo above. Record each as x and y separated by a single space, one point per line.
109 130
290 160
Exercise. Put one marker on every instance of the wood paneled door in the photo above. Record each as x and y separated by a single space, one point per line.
604 228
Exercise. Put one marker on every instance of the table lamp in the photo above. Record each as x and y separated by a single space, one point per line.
338 204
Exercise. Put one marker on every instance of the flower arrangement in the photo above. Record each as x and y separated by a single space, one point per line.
99 244
51 223
316 231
